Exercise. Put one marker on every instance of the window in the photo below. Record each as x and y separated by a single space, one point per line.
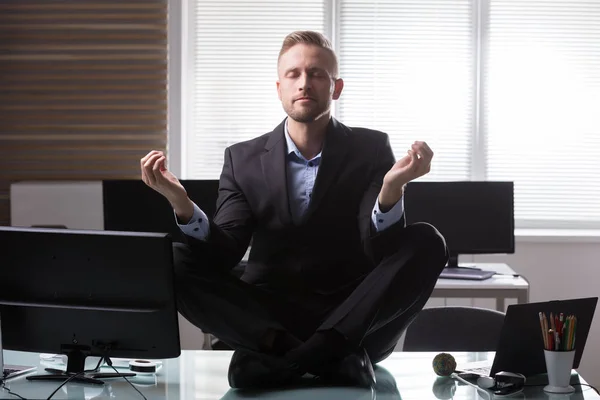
408 69
501 89
542 109
235 44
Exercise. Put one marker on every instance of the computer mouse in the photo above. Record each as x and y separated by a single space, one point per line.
469 376
486 382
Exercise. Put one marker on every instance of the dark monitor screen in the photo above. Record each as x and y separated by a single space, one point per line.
130 205
474 217
88 293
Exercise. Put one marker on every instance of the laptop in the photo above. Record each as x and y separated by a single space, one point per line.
520 345
466 273
12 371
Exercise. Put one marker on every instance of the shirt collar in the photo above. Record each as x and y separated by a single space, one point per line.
291 146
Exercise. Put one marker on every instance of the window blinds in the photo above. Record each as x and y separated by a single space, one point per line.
408 68
542 109
234 47
501 90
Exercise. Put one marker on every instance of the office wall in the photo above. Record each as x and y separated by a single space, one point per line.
555 268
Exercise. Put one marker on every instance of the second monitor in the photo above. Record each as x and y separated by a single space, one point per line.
130 205
475 217
87 293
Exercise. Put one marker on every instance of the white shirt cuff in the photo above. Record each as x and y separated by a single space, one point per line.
383 220
197 227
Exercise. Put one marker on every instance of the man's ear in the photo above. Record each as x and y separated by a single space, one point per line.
278 90
338 85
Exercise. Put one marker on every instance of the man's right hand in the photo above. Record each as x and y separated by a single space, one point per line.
159 178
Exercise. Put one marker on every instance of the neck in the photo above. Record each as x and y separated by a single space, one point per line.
309 137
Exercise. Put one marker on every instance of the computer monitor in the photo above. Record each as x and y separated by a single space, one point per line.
87 293
475 217
130 205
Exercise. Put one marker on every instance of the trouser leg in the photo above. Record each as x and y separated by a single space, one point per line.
236 312
381 307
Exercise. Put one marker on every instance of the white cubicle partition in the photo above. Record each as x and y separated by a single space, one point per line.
76 205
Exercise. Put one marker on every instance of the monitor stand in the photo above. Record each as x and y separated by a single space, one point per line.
453 263
75 365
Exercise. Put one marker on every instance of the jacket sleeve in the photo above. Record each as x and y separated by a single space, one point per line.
232 226
378 245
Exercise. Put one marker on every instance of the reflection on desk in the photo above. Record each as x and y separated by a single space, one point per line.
203 375
384 389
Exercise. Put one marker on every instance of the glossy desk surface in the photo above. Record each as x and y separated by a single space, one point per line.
202 374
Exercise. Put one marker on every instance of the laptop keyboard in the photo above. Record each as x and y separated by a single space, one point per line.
10 371
13 370
481 370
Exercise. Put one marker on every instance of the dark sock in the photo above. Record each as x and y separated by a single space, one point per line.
278 342
321 348
284 342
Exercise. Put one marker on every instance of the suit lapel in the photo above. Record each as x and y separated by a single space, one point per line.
274 166
332 159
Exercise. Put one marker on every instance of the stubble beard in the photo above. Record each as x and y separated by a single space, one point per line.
306 114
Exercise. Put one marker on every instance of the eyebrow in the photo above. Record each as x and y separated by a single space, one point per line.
310 69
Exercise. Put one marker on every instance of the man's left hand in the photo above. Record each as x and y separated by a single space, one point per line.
410 167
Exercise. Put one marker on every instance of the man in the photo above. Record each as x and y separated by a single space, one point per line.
334 274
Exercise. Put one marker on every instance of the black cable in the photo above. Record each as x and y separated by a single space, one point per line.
109 362
585 384
3 386
573 384
75 376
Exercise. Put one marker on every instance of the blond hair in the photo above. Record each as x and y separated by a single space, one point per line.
309 37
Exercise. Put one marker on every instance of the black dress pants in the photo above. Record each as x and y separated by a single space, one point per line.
373 316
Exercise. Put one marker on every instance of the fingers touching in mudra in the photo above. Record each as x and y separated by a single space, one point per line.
156 175
416 163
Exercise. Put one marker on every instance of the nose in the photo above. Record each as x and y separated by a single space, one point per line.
304 82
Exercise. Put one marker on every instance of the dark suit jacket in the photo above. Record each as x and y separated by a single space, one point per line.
334 247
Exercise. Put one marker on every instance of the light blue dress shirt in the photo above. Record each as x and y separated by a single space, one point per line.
301 177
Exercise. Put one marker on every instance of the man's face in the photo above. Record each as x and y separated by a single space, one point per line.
306 83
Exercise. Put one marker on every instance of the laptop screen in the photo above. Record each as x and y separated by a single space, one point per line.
521 346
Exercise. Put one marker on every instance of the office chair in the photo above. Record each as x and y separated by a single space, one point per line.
454 329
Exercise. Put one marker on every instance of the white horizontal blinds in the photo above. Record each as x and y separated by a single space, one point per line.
408 71
542 108
235 49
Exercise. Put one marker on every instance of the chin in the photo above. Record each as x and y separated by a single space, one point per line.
307 117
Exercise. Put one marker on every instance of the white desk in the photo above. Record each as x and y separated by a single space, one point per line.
499 287
203 375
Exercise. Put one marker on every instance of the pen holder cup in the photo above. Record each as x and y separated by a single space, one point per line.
559 365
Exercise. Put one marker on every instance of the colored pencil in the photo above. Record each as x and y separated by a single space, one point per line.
546 331
543 331
558 331
574 333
